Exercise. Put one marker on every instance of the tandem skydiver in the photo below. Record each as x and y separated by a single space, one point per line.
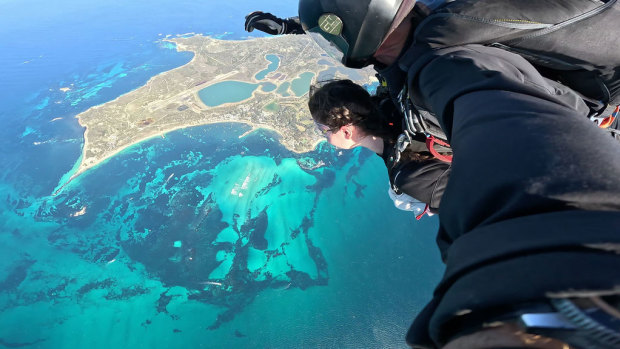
349 117
531 212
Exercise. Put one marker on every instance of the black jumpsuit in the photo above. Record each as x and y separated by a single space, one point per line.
423 180
532 206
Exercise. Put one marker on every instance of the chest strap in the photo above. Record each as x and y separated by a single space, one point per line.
414 123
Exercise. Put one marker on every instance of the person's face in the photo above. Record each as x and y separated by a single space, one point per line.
341 137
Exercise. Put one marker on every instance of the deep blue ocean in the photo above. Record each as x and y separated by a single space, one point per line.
199 239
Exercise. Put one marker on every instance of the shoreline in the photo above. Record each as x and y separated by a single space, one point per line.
183 48
93 161
253 128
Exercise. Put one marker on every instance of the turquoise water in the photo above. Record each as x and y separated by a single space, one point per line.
301 85
226 92
189 237
273 66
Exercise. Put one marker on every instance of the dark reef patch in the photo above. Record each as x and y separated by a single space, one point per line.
98 285
17 275
19 345
300 279
126 293
359 189
162 302
238 334
274 181
256 229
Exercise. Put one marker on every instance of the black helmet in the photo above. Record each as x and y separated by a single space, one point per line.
351 30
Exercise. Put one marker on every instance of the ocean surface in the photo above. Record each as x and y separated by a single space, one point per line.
197 239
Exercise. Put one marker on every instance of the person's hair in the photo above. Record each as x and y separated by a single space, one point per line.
336 103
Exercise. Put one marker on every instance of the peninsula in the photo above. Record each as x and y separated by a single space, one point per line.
275 73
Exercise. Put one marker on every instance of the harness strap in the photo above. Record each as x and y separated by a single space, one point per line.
426 210
606 122
430 144
413 124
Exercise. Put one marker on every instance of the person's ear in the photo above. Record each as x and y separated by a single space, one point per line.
347 131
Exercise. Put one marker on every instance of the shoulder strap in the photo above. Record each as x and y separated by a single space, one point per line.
414 123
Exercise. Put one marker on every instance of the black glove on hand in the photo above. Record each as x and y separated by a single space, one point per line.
270 24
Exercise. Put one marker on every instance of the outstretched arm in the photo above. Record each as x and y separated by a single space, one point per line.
270 24
522 143
533 196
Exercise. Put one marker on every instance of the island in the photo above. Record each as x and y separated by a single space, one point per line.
262 82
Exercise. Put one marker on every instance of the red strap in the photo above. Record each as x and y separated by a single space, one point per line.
430 144
426 209
610 119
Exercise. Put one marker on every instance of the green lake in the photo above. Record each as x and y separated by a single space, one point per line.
226 92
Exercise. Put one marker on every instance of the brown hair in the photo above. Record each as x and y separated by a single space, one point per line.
336 103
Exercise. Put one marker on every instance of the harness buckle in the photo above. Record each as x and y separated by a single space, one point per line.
402 143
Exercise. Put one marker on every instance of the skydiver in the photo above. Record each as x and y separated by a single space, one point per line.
348 116
529 219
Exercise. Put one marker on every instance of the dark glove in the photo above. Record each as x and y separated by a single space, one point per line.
270 24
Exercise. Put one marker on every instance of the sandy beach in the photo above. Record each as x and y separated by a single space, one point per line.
170 101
